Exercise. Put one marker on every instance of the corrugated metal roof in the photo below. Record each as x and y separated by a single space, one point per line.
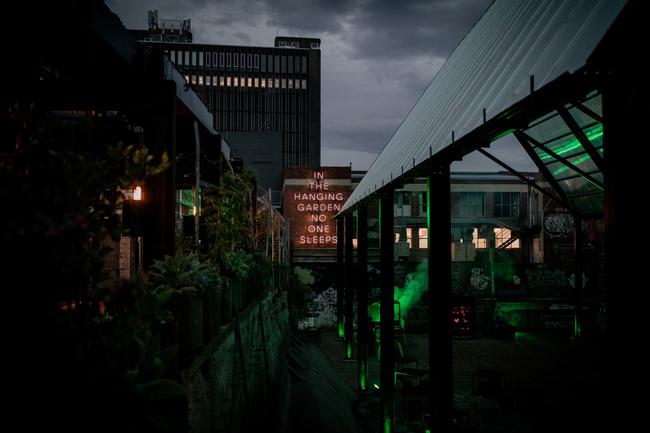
490 69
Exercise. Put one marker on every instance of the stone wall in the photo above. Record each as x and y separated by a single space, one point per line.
233 377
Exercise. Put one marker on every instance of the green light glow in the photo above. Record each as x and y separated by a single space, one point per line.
407 296
387 425
592 134
413 289
577 330
341 330
348 350
375 385
362 378
578 161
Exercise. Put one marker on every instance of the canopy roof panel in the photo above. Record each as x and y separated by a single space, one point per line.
491 70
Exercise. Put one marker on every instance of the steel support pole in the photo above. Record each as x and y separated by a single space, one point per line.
578 243
339 276
439 285
387 338
349 286
362 297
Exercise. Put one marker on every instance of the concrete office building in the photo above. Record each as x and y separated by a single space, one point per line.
252 89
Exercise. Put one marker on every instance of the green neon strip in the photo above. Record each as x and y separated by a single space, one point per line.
577 330
577 162
341 330
387 425
348 350
592 134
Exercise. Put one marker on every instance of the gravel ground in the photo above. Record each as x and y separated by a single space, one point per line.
548 382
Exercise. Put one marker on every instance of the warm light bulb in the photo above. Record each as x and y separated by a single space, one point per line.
193 210
137 193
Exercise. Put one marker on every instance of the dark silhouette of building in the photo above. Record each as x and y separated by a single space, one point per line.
251 89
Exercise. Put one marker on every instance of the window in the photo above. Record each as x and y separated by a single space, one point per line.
506 204
315 45
221 59
257 61
242 60
228 82
423 237
297 83
409 237
235 82
208 59
250 82
200 80
502 236
290 83
423 202
250 60
304 84
222 80
236 61
478 242
187 58
193 58
228 60
172 56
187 78
277 83
200 58
304 65
193 79
471 204
257 82
284 83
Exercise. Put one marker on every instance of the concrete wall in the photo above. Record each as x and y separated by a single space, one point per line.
223 393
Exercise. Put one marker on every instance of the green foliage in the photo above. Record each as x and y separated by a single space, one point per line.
228 219
64 202
100 338
184 274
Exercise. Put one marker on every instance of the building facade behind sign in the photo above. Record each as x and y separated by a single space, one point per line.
252 89
311 198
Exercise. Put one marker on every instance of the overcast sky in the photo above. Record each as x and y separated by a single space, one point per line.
377 56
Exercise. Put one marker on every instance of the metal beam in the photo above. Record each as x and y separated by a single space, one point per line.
519 175
439 286
349 286
387 337
523 140
339 276
582 138
362 297
565 161
588 111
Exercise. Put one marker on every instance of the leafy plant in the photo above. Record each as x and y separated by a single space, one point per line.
184 274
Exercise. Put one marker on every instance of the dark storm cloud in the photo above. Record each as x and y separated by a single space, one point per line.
395 29
377 55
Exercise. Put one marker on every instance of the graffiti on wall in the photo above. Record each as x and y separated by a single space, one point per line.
478 280
540 276
558 224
